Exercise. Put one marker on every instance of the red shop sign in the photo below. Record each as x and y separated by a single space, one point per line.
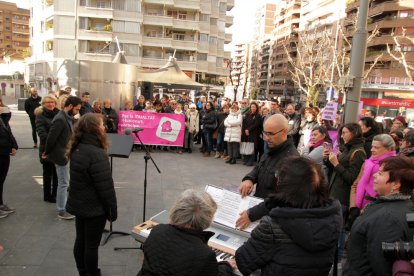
386 102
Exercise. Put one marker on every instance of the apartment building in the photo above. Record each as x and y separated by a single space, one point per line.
285 36
149 31
240 68
14 31
388 79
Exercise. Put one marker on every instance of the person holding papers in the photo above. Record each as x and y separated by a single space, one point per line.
180 247
275 133
300 234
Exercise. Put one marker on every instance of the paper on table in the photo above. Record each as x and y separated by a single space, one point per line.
230 205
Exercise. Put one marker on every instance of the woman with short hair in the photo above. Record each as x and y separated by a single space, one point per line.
91 195
383 220
300 234
383 146
44 118
180 247
369 129
407 145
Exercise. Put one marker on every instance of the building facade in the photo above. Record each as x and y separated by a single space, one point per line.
387 79
148 31
14 32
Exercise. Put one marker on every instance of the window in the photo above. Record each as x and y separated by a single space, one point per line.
203 37
212 40
100 4
204 17
407 13
201 57
182 15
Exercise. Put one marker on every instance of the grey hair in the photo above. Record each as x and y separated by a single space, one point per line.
386 141
193 208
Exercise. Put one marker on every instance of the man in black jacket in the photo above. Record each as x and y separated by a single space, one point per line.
55 150
30 105
86 106
275 133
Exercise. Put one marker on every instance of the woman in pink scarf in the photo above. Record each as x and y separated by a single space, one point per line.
383 146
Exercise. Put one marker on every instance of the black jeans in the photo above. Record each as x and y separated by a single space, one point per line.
50 180
34 134
233 149
4 168
88 236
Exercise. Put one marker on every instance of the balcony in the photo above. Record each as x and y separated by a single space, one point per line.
187 4
392 22
48 12
212 67
94 35
212 49
202 66
213 30
153 62
229 21
159 2
156 41
187 64
389 6
158 20
205 6
204 27
227 55
203 46
184 44
20 21
20 31
228 38
381 40
107 13
186 24
20 39
215 11
230 5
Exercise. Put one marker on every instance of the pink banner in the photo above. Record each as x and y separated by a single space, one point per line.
159 128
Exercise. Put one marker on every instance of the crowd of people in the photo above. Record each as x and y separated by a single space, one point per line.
323 196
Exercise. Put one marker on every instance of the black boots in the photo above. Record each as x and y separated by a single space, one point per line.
231 161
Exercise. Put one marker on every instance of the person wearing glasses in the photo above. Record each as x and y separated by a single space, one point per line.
262 177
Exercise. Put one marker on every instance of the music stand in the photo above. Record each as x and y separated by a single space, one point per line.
119 146
146 158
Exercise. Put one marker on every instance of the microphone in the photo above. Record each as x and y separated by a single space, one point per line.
128 131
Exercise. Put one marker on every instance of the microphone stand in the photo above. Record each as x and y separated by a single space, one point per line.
147 157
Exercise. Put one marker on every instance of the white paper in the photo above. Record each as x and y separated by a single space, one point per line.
230 205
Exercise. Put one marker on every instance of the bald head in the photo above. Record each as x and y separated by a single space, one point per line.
275 130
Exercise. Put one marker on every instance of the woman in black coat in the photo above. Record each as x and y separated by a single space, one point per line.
180 247
208 125
92 196
300 234
44 118
383 220
251 132
369 129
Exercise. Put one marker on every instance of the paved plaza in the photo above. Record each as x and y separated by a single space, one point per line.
37 243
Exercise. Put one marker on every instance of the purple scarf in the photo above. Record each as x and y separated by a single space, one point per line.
366 183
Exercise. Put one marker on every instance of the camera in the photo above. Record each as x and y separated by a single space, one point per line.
400 250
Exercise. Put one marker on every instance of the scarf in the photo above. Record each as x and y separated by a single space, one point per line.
317 144
366 183
407 151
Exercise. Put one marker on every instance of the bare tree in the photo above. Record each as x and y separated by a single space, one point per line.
320 64
400 55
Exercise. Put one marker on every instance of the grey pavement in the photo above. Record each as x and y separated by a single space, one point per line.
37 243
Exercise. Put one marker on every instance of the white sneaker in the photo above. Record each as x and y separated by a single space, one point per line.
7 209
65 215
3 214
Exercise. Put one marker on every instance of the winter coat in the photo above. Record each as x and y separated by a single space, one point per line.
294 125
44 120
316 155
173 251
31 104
251 122
91 191
233 124
57 140
111 119
193 122
85 108
7 140
209 120
264 175
220 121
382 221
293 241
345 173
